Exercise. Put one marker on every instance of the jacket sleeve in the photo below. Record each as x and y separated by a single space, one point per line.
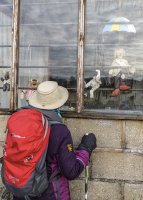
71 162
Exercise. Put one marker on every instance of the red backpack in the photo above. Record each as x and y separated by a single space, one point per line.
24 170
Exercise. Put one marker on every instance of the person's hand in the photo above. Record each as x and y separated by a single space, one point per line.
88 142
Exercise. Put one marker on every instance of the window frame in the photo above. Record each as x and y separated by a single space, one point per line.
80 112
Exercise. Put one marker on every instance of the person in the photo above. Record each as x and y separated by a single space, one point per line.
25 94
121 71
64 163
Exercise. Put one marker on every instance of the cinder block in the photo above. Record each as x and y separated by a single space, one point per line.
96 190
108 132
133 192
104 191
134 136
1 149
77 189
124 166
3 120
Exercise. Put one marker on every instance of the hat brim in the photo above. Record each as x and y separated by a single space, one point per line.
33 101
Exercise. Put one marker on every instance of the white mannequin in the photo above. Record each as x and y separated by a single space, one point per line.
121 71
94 83
120 65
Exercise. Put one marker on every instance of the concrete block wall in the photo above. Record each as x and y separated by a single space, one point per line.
116 167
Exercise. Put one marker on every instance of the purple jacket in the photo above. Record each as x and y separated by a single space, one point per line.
63 164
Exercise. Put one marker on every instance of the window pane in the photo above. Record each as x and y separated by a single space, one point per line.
48 43
113 56
5 52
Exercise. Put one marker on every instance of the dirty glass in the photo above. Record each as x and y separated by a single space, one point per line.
5 52
48 46
114 56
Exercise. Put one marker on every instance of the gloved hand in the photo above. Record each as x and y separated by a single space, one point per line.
88 142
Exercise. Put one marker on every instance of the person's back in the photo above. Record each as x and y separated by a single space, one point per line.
63 162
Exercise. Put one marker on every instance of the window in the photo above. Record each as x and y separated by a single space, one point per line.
5 52
113 56
48 46
93 48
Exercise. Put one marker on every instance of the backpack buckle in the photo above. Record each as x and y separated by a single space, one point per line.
28 158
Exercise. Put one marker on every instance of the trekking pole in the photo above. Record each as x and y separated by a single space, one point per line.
86 178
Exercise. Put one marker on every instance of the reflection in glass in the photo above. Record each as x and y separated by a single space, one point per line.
48 45
113 46
5 52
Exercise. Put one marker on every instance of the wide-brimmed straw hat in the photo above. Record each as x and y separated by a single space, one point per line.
49 95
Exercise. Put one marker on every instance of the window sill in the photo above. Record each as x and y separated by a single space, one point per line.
104 114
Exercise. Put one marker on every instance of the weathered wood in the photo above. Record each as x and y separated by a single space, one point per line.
80 67
15 54
103 115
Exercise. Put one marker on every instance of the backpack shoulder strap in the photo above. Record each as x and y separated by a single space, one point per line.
54 122
50 115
